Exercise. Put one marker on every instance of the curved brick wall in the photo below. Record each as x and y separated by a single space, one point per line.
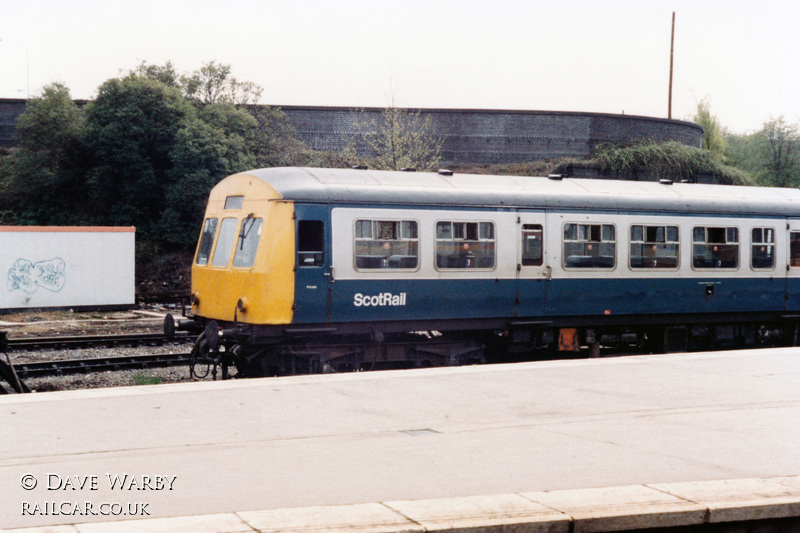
471 136
493 136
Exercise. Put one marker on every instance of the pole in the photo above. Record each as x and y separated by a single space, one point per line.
671 63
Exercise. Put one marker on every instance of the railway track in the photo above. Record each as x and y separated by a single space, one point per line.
100 364
87 341
15 374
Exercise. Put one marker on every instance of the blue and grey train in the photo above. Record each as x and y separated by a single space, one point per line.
310 269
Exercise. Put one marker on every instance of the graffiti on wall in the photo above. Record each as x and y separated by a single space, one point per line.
27 276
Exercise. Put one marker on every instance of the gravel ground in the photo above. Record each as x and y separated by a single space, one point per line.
63 323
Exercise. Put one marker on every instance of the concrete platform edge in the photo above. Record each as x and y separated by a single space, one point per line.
636 507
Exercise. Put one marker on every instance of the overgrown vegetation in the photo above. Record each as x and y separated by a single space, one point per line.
669 160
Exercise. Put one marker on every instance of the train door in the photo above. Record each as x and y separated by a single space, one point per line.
793 266
533 271
312 264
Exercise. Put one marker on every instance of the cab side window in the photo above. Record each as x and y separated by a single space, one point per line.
206 241
310 243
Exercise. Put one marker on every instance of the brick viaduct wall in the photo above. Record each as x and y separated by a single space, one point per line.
475 136
470 136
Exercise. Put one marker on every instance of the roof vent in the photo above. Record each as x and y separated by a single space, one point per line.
665 181
557 177
359 167
445 172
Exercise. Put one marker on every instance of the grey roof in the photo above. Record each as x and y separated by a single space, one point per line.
428 188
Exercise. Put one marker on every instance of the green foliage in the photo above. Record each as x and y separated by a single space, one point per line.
669 160
131 130
778 146
143 379
398 139
713 136
213 83
164 74
43 174
771 154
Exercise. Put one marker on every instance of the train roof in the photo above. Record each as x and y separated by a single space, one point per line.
351 186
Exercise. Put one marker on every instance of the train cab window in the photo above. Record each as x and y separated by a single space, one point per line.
532 251
206 241
310 243
247 242
654 246
234 202
227 236
465 245
762 253
715 247
383 244
590 246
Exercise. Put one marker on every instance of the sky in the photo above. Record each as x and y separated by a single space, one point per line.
604 56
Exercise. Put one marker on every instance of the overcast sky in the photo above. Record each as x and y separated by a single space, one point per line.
607 56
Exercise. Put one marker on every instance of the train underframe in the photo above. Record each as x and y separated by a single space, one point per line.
241 350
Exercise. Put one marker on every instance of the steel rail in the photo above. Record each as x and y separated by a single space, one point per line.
99 364
80 341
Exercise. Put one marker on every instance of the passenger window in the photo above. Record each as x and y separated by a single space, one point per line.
465 245
206 241
762 254
310 243
794 248
247 243
532 250
227 236
386 244
715 247
590 246
654 246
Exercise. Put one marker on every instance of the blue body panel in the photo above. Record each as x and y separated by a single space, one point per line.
312 283
387 300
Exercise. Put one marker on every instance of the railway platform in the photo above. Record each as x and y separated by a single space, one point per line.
627 443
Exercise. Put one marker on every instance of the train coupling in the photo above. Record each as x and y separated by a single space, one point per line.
171 325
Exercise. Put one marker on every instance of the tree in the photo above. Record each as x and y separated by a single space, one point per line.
213 83
131 130
396 139
165 74
778 144
713 134
45 169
